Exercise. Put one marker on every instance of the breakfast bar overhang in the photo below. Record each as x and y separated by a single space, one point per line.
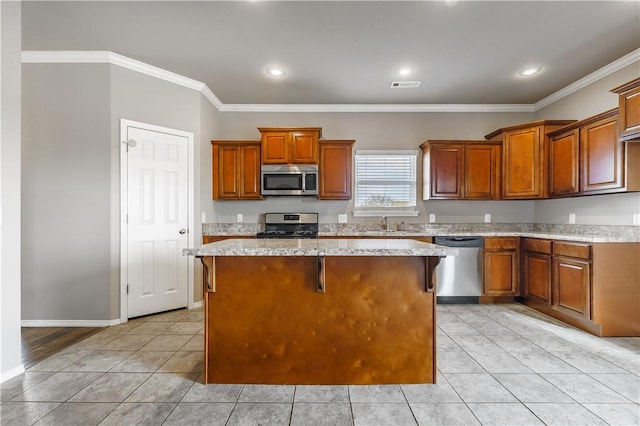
334 311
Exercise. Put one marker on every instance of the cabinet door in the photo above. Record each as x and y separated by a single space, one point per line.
571 280
335 170
481 172
228 172
304 148
629 105
500 273
564 164
523 162
537 276
250 173
275 147
446 171
602 156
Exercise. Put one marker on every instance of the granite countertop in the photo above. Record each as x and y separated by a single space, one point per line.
580 233
321 247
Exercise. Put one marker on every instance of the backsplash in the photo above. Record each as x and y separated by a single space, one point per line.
614 231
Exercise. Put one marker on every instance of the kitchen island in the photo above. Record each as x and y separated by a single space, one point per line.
313 311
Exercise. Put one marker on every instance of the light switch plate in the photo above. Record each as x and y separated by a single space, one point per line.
572 218
432 217
487 218
239 218
342 218
636 218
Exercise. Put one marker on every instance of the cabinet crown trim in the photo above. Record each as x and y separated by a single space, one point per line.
531 124
626 86
291 129
607 114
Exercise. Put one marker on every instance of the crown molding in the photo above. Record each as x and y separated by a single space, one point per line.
107 57
614 66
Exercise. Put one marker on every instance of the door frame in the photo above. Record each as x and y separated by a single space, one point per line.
124 241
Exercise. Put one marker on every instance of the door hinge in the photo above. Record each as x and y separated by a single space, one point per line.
127 288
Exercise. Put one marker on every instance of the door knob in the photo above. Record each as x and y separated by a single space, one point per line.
182 231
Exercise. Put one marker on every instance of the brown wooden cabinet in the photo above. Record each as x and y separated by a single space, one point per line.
536 270
290 145
586 157
500 272
629 105
572 278
236 170
458 170
336 163
524 158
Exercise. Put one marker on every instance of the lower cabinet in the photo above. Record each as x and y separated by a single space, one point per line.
572 278
500 271
592 286
536 270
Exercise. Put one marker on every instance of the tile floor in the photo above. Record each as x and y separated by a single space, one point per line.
498 365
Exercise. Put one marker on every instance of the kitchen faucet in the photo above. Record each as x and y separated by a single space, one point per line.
385 223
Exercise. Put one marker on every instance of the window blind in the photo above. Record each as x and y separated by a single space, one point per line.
385 180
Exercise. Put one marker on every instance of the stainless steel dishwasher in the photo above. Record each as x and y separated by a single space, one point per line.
459 278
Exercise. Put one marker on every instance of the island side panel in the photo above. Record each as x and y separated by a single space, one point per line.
266 322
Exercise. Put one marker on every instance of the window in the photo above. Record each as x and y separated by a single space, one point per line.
385 182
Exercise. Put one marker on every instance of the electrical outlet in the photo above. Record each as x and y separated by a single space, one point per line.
432 217
203 217
239 218
572 218
342 218
487 218
636 218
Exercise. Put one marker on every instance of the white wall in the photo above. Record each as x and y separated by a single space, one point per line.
375 131
614 209
10 117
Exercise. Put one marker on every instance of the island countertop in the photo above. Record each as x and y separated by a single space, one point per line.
321 247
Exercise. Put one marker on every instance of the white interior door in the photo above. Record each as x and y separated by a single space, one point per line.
156 221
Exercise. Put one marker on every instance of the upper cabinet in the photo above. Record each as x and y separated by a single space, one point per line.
587 158
236 170
524 158
336 162
290 145
458 170
629 105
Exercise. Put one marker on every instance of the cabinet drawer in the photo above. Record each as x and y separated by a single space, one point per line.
577 250
538 246
498 243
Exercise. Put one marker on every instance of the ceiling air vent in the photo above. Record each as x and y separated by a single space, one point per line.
405 84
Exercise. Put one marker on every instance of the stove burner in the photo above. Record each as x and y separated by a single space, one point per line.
290 225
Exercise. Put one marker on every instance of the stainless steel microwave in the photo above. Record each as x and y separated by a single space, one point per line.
287 179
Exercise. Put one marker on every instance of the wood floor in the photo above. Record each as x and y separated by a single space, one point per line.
39 343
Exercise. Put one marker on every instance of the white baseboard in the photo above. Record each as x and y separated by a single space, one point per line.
195 305
69 323
6 375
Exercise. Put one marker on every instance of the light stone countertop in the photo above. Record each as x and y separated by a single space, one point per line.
579 233
321 247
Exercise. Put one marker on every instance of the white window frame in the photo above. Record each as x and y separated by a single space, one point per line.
387 211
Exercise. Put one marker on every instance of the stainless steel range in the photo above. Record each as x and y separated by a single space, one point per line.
290 225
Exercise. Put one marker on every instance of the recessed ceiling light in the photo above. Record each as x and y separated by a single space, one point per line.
276 71
526 72
404 71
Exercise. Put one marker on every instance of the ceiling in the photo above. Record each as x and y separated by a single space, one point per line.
342 52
